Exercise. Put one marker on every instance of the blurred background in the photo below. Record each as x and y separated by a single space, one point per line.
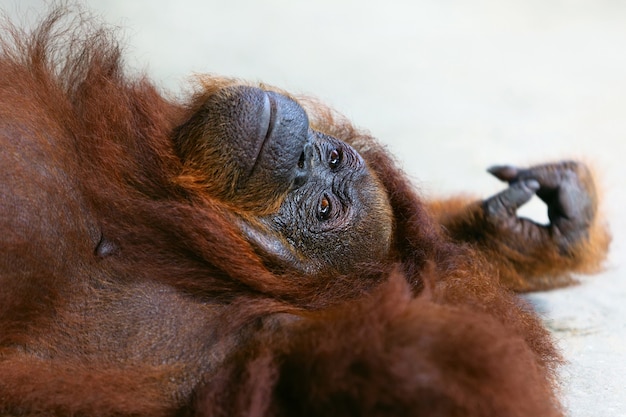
452 87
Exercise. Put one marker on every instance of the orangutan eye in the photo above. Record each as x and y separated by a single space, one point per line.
324 208
334 158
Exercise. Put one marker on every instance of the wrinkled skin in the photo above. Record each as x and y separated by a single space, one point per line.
328 206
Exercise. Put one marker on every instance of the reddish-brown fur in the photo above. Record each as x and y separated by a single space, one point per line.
126 290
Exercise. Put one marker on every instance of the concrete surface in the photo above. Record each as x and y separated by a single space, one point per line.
452 87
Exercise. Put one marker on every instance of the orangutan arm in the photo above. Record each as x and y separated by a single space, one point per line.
531 256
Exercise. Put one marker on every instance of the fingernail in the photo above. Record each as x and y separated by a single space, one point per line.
503 172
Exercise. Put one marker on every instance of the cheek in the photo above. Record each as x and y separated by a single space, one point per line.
374 223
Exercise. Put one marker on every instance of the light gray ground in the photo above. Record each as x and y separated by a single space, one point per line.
452 87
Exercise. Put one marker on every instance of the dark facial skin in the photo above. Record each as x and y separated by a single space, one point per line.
305 200
246 145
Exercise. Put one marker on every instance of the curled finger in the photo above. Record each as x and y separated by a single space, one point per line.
506 203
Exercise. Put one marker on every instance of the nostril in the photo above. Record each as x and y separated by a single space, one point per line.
303 167
302 175
301 160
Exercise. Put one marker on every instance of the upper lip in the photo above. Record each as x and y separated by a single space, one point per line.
268 120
